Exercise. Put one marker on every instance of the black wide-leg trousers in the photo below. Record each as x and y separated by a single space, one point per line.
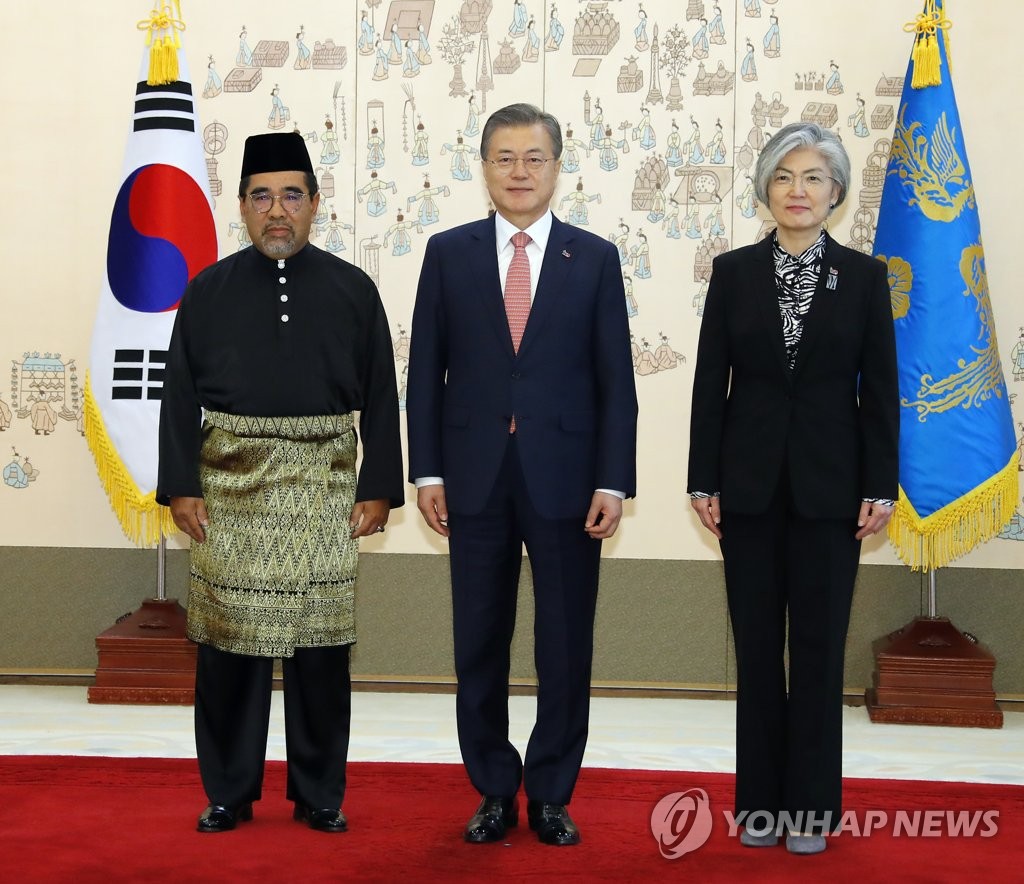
232 718
789 738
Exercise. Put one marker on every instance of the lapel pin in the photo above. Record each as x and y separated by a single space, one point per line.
833 278
565 254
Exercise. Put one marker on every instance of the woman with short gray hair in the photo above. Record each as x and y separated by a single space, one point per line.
803 135
793 462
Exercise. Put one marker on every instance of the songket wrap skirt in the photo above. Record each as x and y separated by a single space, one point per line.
278 567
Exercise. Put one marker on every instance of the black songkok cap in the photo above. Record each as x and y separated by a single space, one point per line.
275 152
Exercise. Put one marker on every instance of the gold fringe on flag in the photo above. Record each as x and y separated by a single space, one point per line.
958 527
142 518
164 41
925 55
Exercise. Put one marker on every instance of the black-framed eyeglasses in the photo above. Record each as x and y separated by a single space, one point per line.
531 164
291 201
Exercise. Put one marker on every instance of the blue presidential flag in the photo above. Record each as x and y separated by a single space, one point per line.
161 235
958 459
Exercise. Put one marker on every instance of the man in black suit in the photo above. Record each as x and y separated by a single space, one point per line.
522 432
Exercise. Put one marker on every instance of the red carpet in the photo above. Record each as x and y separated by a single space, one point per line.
82 819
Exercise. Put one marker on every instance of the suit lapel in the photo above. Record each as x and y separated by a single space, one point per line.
558 258
482 262
767 297
823 303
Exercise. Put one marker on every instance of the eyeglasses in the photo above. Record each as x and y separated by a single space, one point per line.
531 164
291 201
810 181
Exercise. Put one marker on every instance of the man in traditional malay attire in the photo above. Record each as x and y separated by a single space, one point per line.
273 351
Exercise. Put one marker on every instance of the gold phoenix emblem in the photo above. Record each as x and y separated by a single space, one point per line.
932 167
975 380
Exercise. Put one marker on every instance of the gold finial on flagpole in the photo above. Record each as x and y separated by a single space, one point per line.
925 55
163 38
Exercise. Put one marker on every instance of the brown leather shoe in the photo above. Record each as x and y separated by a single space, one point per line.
552 824
324 820
492 818
218 818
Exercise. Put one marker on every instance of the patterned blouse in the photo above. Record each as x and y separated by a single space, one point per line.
796 278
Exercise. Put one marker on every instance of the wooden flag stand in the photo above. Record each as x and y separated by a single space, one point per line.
929 672
145 657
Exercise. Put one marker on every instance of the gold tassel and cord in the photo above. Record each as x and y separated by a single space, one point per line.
142 518
163 38
925 55
958 527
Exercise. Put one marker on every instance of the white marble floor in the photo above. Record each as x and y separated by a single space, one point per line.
659 734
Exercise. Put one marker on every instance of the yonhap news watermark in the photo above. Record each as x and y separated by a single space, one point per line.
682 822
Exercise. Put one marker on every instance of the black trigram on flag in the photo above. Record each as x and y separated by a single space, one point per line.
138 374
164 107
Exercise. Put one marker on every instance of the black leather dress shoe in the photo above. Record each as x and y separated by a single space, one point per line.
552 823
325 820
492 818
218 818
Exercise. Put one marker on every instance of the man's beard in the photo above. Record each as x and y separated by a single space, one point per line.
276 247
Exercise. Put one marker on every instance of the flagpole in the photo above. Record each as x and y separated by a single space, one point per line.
161 569
929 236
933 605
147 657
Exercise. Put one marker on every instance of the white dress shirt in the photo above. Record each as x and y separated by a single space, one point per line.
538 232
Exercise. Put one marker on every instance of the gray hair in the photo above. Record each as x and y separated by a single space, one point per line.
793 137
517 115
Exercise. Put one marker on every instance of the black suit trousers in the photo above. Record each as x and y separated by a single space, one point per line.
789 739
486 555
232 717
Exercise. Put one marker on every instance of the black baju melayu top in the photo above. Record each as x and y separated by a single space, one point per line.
268 337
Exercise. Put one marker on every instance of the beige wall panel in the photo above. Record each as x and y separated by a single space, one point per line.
67 102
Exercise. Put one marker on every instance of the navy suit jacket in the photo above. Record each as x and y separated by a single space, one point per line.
833 419
571 385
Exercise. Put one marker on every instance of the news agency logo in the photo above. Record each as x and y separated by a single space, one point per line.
681 822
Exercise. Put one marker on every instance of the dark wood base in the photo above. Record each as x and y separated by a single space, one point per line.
146 659
929 672
992 718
